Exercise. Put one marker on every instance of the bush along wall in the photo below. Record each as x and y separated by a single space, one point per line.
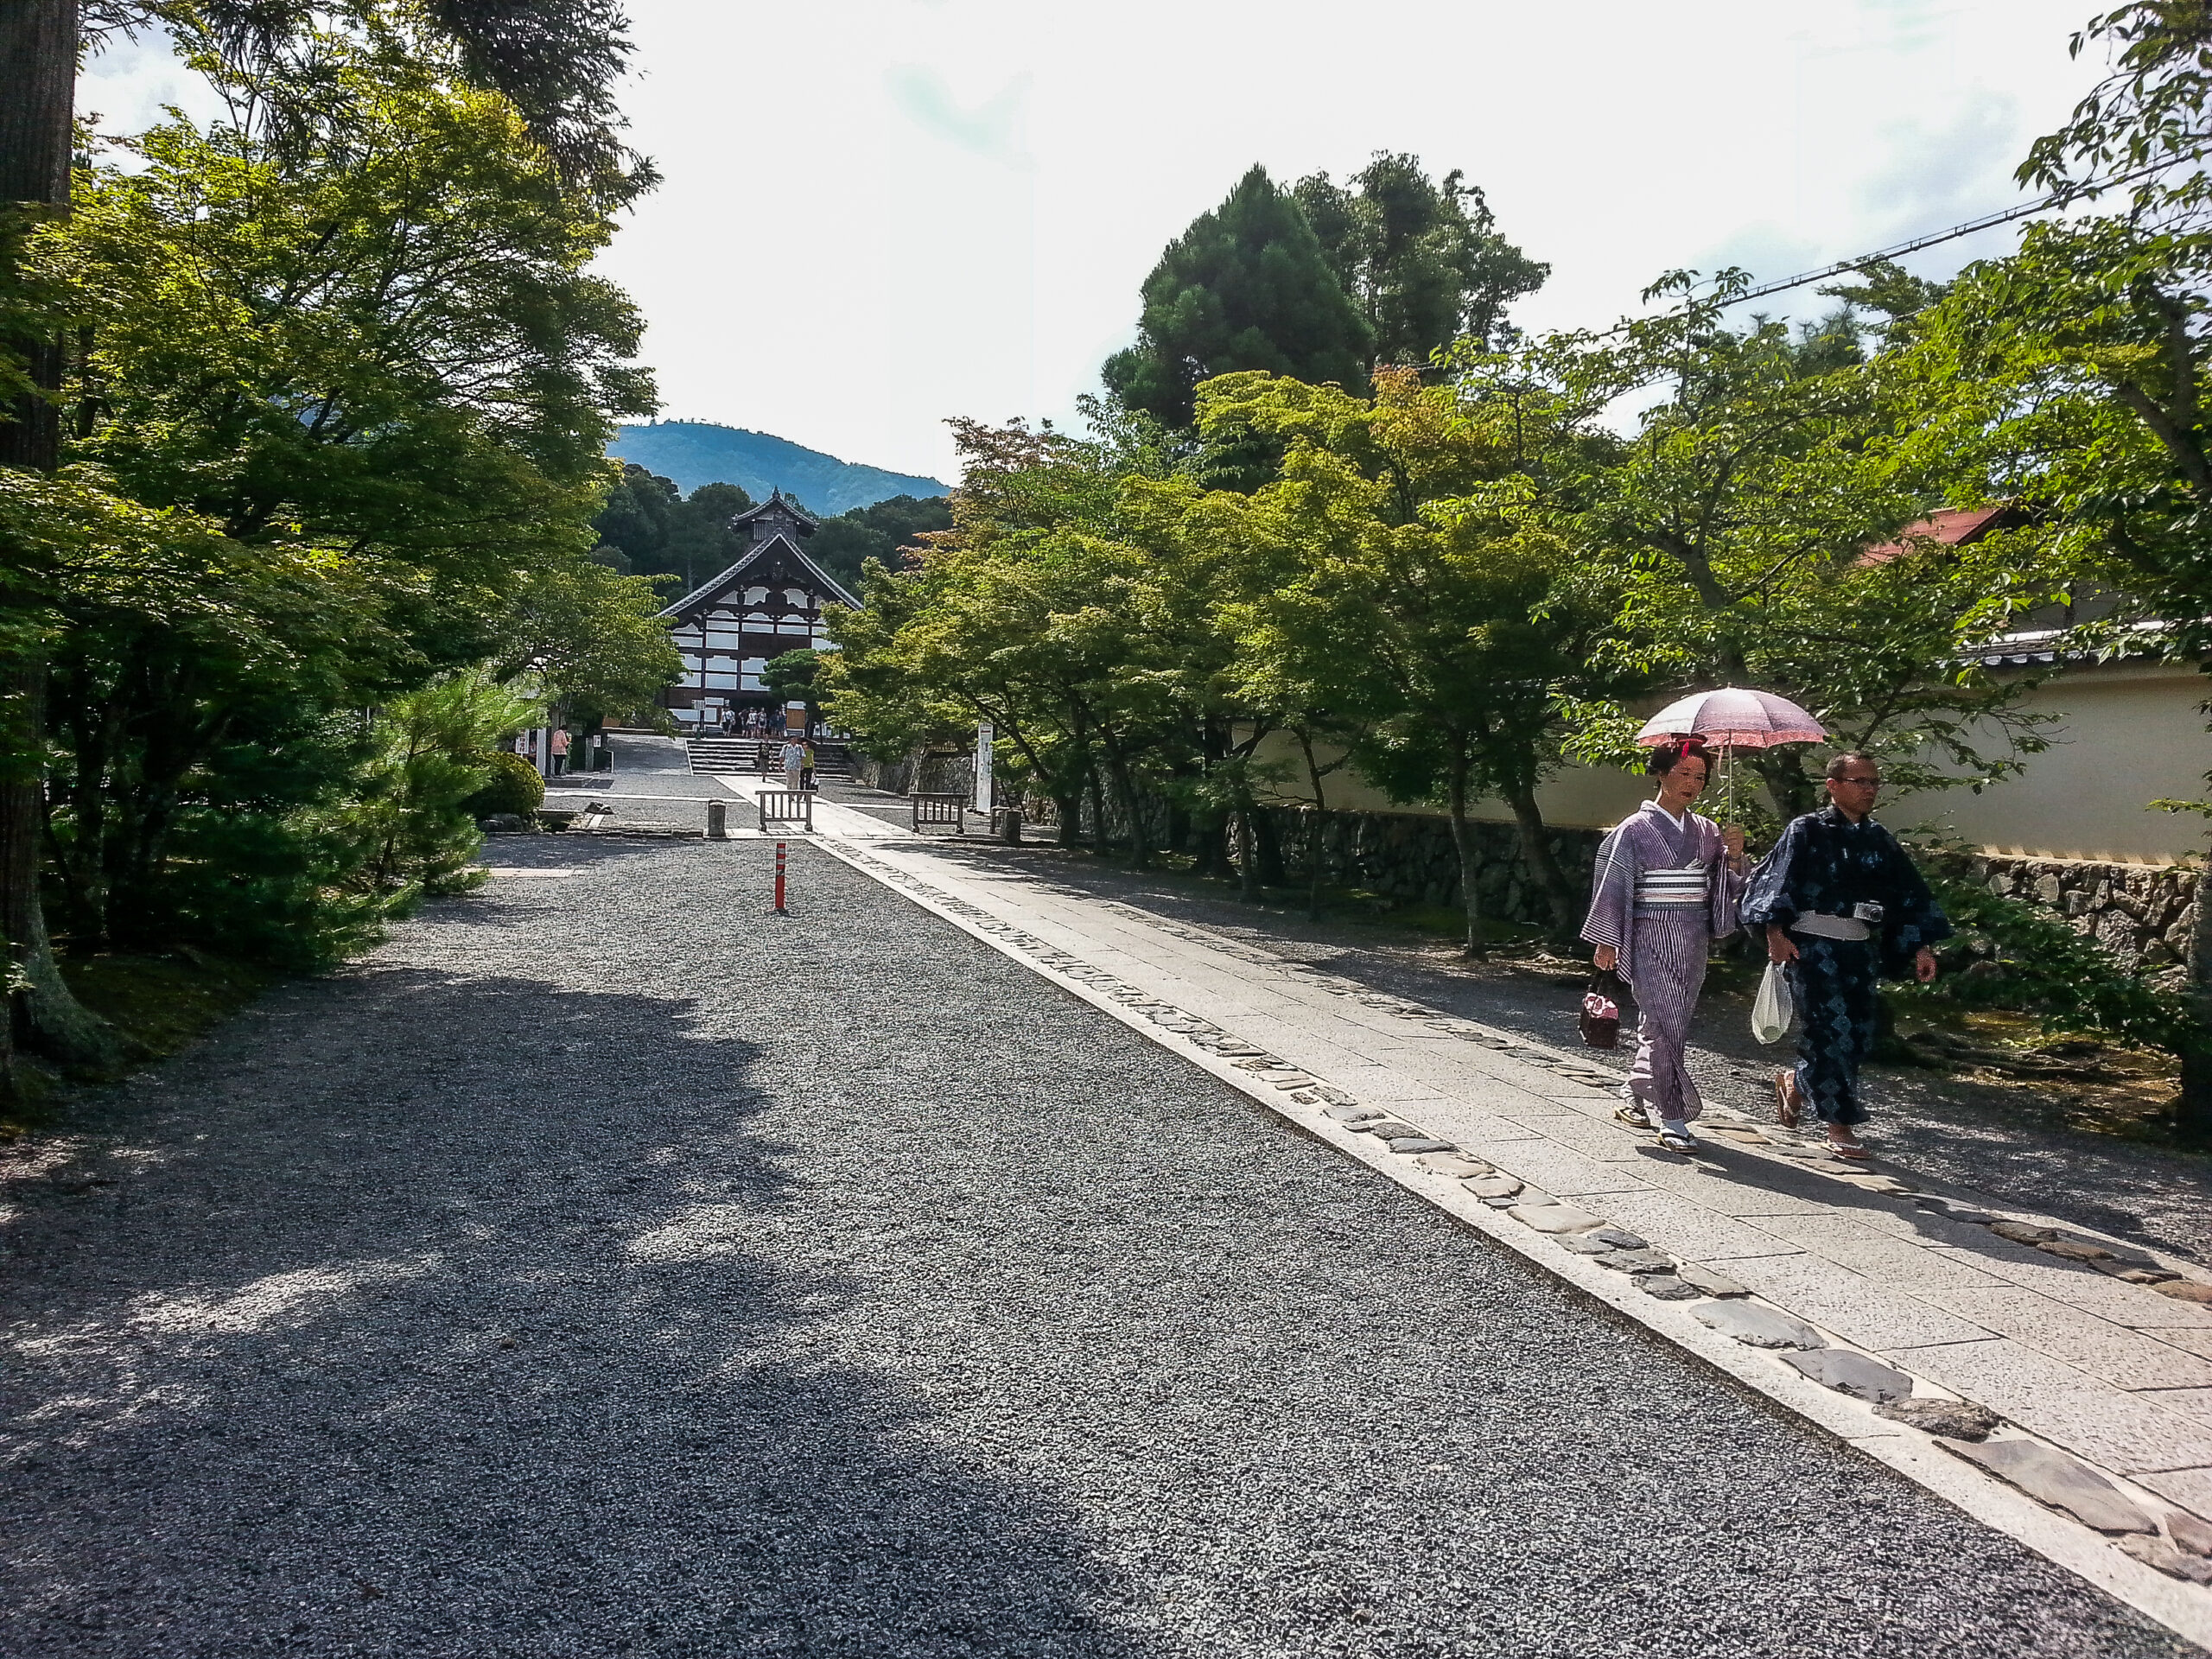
2143 916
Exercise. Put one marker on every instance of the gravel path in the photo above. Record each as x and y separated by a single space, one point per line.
604 1268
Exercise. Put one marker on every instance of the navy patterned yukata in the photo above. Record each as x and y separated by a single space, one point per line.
1824 864
1659 895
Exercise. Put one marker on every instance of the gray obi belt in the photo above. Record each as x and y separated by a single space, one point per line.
1831 927
1685 888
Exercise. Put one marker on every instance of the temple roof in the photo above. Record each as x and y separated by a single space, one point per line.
777 499
828 585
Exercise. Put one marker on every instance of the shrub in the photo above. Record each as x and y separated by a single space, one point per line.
514 786
2015 955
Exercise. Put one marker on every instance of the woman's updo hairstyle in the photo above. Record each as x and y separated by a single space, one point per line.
1674 752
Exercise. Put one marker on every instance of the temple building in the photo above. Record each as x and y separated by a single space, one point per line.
769 603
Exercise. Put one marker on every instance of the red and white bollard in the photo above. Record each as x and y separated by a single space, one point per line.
780 911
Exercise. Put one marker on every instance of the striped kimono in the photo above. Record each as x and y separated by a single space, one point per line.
1660 896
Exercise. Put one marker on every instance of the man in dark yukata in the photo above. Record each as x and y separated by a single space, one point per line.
1842 905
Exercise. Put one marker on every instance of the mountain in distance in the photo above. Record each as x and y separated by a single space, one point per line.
692 453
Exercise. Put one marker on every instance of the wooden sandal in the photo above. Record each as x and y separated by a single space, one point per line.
1787 1111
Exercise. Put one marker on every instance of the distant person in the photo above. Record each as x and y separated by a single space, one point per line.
729 722
1665 888
1842 905
560 750
806 767
794 759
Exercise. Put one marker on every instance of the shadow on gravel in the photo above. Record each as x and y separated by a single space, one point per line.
400 1339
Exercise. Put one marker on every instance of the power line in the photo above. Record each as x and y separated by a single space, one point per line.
1842 267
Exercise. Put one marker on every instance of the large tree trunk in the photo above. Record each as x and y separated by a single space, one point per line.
1462 843
38 89
1536 854
1268 845
1314 829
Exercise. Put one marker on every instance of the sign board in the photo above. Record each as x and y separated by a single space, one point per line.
984 736
795 719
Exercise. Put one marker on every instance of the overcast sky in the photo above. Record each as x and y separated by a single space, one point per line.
878 213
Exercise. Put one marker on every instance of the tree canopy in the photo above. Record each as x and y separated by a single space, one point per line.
1248 286
1422 259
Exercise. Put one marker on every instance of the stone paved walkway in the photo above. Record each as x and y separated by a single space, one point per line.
2095 1355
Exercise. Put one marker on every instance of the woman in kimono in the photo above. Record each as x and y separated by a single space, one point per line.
1666 887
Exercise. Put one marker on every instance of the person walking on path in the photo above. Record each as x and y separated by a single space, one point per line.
560 750
1665 888
1842 905
806 767
794 760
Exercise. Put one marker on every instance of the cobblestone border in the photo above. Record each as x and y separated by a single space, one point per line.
2103 1529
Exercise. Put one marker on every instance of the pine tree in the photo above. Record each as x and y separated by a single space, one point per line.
1248 286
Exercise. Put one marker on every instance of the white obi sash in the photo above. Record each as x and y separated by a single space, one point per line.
1674 889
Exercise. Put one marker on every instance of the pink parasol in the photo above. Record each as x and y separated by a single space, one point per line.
1732 718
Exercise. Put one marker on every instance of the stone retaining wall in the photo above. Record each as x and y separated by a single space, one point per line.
923 772
2143 913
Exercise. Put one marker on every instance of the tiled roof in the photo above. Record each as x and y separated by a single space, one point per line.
828 585
1951 527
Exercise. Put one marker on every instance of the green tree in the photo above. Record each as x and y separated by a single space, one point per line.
348 356
1248 286
2072 377
636 519
1429 605
844 544
1031 613
430 751
1737 526
558 62
1422 259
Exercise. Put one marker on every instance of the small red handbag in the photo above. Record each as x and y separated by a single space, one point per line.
1601 1009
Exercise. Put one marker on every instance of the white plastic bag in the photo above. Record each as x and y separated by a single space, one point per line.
1772 1009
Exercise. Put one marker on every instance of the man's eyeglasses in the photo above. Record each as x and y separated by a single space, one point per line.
1863 783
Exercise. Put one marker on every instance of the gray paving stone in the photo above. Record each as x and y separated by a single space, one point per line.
1757 1326
1638 1260
1953 1210
1958 1420
1620 1238
1888 1183
2053 1478
1584 1243
1555 1217
1402 1145
2190 1533
2174 1563
1497 1189
1705 1279
1852 1374
1666 1287
2075 1249
1459 1168
1390 1128
2022 1232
